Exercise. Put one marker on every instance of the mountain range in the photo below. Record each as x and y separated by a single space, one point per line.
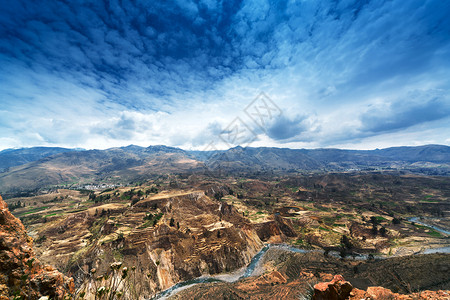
30 169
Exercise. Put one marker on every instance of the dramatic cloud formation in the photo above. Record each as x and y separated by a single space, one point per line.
405 113
98 74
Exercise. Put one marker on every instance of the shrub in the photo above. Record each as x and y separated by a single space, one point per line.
218 195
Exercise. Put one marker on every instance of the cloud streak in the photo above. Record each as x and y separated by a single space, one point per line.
110 73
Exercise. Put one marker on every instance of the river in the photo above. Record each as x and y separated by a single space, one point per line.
250 269
421 222
439 229
242 273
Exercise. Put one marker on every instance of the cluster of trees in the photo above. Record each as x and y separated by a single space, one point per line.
99 198
103 212
16 205
218 195
152 190
56 199
375 222
396 221
135 195
127 195
153 218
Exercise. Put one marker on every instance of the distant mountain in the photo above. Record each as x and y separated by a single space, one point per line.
16 157
115 165
259 159
430 153
263 159
48 167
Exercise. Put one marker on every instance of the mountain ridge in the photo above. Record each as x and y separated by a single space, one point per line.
134 163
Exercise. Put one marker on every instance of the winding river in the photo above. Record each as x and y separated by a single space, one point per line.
439 229
250 269
420 221
242 273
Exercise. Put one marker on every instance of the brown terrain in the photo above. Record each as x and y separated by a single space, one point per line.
286 275
22 276
169 237
178 227
339 289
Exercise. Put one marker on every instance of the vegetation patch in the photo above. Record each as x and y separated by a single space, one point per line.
34 210
429 231
95 229
151 220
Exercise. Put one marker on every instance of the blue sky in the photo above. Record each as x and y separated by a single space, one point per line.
100 74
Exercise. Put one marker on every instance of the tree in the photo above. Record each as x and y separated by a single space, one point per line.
230 191
396 221
92 196
172 222
374 229
374 220
218 195
346 242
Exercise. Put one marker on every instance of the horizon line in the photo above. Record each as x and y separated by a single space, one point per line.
238 146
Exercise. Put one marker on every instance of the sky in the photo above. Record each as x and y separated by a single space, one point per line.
216 74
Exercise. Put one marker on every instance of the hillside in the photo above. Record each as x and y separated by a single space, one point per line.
177 228
16 157
287 275
22 275
112 166
118 166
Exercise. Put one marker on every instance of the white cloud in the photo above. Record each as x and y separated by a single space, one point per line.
145 77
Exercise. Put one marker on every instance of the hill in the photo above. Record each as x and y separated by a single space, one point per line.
73 168
16 157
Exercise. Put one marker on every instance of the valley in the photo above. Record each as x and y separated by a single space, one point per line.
175 228
229 150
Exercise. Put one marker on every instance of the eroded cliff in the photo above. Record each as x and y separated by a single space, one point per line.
168 238
21 274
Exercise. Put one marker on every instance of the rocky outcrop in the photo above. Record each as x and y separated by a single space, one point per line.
380 293
340 289
337 289
275 231
286 275
21 274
